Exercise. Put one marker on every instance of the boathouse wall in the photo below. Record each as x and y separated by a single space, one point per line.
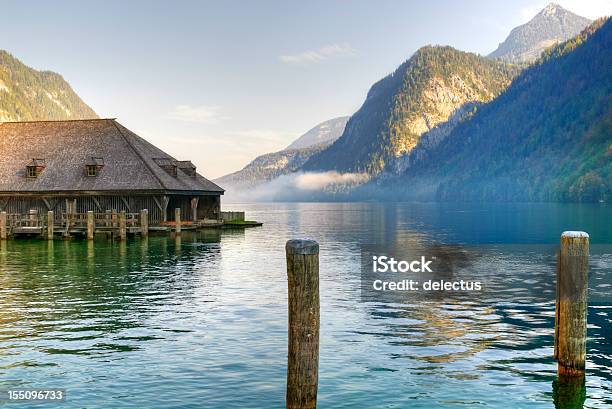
160 207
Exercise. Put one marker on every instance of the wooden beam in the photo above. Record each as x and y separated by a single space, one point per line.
159 206
125 202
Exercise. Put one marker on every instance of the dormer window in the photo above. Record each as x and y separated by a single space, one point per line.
93 166
167 164
34 168
91 170
187 167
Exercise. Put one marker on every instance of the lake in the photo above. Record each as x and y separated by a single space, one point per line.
202 321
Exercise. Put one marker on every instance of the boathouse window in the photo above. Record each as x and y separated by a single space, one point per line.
187 167
91 170
32 173
93 166
167 164
34 168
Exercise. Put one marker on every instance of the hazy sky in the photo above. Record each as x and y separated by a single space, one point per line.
221 82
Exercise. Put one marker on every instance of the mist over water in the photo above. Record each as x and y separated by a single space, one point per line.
202 321
299 186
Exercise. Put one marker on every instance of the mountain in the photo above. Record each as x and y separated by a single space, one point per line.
27 94
272 165
421 94
325 132
546 138
551 25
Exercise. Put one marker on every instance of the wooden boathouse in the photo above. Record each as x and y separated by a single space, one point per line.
67 169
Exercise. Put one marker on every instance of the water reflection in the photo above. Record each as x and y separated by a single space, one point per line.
569 392
85 291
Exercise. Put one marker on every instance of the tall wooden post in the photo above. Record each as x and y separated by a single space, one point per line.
122 226
33 218
3 227
571 307
194 208
177 219
50 221
144 222
91 225
107 218
66 232
303 348
114 218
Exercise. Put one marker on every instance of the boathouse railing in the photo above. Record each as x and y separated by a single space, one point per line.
35 222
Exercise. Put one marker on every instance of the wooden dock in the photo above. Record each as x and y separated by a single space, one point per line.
113 224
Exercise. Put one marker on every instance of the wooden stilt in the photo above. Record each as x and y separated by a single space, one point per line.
303 349
571 306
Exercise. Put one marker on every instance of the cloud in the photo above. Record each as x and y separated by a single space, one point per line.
323 53
201 114
261 135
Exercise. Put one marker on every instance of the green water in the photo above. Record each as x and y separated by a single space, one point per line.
201 322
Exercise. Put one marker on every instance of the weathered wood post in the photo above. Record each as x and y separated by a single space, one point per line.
91 225
33 218
50 221
3 227
114 217
66 232
177 219
194 209
144 222
303 349
571 306
107 218
122 226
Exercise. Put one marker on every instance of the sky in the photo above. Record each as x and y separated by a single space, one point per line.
221 82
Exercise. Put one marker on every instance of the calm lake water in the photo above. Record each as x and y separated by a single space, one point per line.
201 322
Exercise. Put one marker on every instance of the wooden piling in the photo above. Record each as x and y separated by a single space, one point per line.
91 225
3 227
122 226
33 218
177 219
66 232
571 306
303 348
144 222
50 221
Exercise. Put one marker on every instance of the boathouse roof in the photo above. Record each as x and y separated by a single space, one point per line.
66 153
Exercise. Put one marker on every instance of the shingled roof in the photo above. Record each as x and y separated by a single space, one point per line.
129 162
